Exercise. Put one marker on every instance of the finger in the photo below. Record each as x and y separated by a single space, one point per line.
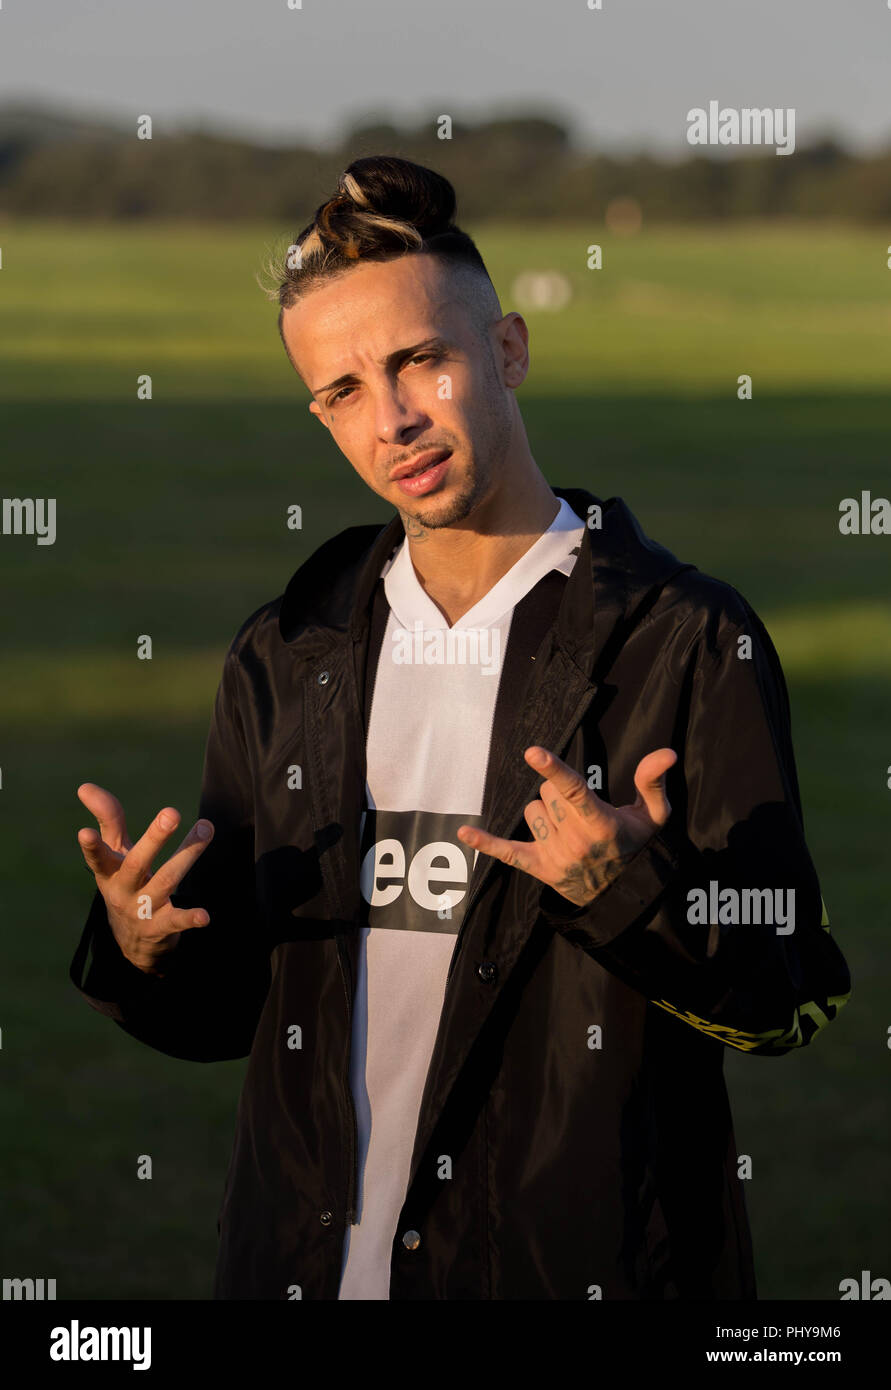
168 876
151 950
541 821
649 779
512 852
109 812
570 784
137 866
595 817
178 919
163 921
100 859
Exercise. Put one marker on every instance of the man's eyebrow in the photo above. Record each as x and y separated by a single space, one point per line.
435 341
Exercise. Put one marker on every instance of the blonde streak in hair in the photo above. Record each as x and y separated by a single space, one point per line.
314 249
278 274
312 246
353 188
393 224
350 241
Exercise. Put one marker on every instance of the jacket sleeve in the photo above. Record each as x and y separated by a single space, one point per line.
726 963
206 1005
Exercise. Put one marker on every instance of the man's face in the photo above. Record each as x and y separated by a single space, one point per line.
397 371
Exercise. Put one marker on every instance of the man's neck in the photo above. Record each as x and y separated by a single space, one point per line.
456 566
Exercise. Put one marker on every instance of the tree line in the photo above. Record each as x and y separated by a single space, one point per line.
525 167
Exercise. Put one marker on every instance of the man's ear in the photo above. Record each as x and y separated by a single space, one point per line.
512 334
316 409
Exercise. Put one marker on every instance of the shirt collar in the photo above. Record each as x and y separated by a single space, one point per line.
556 548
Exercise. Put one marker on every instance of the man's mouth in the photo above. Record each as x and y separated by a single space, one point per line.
422 474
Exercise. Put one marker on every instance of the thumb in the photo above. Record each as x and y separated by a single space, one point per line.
649 779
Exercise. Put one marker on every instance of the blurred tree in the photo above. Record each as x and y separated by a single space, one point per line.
516 165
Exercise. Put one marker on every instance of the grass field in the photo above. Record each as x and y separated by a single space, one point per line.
170 520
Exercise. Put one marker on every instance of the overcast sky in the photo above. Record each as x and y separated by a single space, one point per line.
624 76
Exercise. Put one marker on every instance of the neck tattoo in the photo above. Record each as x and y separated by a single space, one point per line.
413 529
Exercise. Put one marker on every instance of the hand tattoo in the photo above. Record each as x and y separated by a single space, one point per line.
601 864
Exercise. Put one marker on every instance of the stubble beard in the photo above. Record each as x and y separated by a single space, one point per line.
461 505
478 484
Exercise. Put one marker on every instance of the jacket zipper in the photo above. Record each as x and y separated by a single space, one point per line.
346 1090
352 1124
353 1181
352 1121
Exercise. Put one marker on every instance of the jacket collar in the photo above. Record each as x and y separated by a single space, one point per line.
330 595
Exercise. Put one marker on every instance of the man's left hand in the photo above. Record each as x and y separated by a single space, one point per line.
581 843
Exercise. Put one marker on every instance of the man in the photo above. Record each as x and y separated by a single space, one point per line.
506 842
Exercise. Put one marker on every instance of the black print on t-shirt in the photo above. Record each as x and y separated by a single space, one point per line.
415 872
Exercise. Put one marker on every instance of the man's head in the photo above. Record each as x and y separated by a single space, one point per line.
391 321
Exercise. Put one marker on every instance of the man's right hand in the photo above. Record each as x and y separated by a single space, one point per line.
123 873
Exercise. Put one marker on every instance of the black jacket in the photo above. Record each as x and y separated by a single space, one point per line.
578 1170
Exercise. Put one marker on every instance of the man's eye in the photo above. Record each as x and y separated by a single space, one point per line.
418 357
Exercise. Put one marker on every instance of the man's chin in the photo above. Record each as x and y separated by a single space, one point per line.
449 506
451 511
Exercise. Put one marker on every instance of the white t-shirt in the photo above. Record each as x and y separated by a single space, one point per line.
427 756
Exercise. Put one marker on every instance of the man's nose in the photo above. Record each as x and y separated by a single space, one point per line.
396 416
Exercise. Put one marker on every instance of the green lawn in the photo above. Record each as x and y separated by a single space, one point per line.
171 521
